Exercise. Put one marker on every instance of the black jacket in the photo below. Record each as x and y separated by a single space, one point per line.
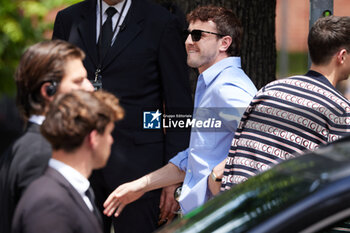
52 205
146 69
21 164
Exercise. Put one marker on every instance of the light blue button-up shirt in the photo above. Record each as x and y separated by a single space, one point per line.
223 92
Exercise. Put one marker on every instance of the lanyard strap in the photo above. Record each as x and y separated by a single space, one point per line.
99 67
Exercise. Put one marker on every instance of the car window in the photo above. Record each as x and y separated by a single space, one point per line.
342 226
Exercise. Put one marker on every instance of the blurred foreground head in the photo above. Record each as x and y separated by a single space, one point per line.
73 116
46 69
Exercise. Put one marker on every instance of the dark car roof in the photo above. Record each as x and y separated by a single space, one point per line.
287 189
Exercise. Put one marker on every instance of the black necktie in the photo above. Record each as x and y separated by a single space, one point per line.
107 31
90 194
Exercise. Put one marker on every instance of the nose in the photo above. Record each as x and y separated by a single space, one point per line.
87 86
188 40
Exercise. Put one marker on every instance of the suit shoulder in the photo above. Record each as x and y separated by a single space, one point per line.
50 202
31 146
157 11
75 9
28 157
45 188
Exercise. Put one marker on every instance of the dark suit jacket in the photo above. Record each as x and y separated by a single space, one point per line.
22 163
146 68
51 204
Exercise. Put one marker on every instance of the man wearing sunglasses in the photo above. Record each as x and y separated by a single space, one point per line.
223 91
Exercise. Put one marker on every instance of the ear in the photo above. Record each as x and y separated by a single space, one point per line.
225 44
93 139
341 56
43 92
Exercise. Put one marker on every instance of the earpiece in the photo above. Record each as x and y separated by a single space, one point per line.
52 88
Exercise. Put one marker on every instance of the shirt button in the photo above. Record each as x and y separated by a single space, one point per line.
189 170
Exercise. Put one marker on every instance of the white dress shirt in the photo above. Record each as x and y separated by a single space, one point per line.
75 178
118 7
37 119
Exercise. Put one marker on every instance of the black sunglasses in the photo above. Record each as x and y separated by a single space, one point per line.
196 34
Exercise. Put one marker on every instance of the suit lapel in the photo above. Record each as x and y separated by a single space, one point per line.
133 26
73 194
87 31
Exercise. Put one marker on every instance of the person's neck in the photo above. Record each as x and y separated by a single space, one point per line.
220 57
112 2
328 71
78 159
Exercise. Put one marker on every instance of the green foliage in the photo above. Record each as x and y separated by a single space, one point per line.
22 24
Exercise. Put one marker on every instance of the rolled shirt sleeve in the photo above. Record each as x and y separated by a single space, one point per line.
180 160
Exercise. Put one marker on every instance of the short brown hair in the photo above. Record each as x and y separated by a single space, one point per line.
40 63
226 23
327 36
72 116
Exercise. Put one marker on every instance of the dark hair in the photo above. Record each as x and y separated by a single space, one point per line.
327 36
40 63
226 23
72 116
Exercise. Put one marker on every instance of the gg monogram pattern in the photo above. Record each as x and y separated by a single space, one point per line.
286 118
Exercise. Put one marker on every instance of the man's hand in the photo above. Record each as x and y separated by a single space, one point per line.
168 205
121 196
129 192
214 186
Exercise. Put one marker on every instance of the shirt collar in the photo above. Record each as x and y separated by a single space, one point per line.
319 76
37 119
213 71
77 180
105 6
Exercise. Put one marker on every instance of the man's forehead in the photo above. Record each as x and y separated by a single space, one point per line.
199 23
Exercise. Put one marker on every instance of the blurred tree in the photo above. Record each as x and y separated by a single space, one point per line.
22 24
259 44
